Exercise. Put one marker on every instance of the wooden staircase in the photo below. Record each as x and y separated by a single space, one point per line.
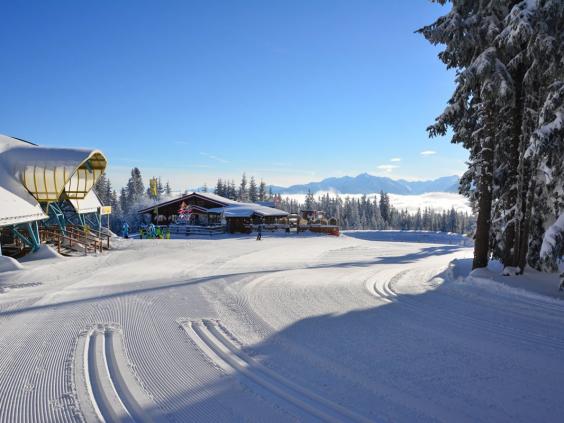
75 241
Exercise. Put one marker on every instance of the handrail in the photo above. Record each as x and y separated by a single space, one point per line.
79 236
47 234
97 233
91 235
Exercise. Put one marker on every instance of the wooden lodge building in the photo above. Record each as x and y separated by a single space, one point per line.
210 210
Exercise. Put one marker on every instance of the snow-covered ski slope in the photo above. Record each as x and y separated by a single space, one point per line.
351 329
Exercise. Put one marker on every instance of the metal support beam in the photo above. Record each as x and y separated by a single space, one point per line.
57 212
94 220
33 230
98 218
81 219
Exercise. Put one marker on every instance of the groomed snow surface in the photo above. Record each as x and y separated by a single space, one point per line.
363 327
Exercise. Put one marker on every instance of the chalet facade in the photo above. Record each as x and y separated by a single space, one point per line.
207 209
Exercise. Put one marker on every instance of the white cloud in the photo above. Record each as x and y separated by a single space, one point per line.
395 159
212 157
387 167
428 153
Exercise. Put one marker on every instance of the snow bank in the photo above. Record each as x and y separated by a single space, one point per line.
44 252
530 284
8 264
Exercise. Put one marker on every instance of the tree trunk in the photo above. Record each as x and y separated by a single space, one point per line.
527 207
482 241
515 178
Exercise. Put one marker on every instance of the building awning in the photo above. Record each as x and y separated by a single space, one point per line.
90 204
48 172
30 174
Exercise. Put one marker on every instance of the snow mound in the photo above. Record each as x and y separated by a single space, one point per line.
494 278
8 264
44 252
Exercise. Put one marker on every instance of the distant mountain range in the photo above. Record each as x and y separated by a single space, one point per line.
368 184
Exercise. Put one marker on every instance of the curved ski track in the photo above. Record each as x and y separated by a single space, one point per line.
212 339
384 289
105 387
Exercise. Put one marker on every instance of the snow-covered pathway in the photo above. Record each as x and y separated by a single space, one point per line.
287 329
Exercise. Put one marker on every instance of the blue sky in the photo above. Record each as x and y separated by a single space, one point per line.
290 91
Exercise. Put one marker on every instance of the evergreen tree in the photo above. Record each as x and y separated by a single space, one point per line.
231 191
507 111
135 189
123 202
262 191
384 206
243 194
483 87
309 200
253 192
103 189
219 188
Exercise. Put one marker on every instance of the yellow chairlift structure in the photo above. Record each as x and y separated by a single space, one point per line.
49 176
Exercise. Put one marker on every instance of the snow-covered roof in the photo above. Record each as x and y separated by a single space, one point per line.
89 204
47 172
30 174
266 203
16 204
217 198
238 209
16 209
247 210
229 208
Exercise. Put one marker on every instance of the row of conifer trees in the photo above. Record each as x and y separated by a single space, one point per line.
507 110
351 213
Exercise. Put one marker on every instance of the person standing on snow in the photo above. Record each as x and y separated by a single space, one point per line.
125 230
259 233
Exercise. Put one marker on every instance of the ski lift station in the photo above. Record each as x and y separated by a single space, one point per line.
46 196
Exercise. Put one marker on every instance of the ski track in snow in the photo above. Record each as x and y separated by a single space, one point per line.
469 321
209 336
106 388
287 329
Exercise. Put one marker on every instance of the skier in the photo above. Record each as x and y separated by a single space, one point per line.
152 231
125 230
259 233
